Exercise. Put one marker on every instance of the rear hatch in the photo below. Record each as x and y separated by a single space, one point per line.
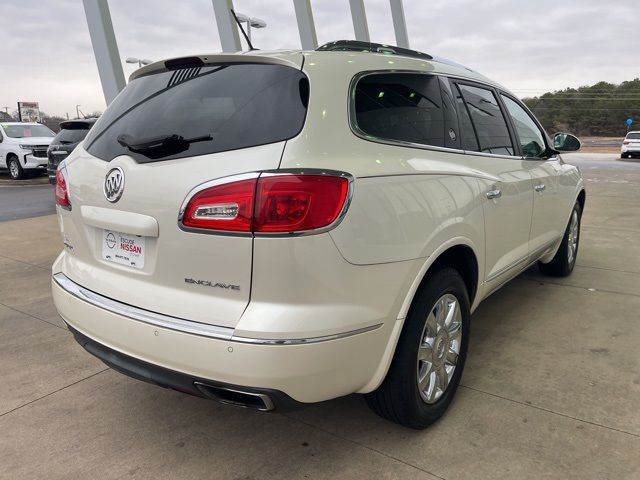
70 135
167 132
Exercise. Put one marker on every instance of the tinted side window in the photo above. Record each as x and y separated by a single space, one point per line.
401 106
468 138
201 110
451 126
531 138
490 125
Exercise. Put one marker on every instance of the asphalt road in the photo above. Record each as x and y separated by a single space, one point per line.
26 198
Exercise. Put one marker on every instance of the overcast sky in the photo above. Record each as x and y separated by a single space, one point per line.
530 47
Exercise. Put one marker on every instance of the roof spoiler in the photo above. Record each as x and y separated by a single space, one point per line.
213 59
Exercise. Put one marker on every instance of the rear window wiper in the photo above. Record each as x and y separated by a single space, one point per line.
160 146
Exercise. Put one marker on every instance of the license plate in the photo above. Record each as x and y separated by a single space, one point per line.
123 248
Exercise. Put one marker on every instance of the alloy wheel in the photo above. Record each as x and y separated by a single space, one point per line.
14 169
572 240
439 348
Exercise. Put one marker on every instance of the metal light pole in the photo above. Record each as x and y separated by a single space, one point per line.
139 61
251 22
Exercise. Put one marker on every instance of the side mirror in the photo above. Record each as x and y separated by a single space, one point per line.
565 142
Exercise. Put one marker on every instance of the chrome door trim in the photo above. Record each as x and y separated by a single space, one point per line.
534 256
186 326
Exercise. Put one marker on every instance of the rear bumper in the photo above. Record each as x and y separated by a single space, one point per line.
260 399
630 149
302 372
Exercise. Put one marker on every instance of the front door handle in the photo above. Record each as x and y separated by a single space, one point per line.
540 187
493 194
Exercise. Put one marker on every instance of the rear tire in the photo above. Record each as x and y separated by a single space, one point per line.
15 169
565 258
430 355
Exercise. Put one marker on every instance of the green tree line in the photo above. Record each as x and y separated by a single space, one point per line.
596 110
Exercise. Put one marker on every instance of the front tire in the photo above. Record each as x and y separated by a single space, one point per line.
564 260
15 169
430 355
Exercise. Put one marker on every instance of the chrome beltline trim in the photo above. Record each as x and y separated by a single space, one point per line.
182 325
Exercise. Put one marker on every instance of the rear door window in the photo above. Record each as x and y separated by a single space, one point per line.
201 110
403 107
468 138
452 134
488 120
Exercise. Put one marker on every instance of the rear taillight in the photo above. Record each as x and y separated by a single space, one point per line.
270 204
62 194
626 142
227 207
293 203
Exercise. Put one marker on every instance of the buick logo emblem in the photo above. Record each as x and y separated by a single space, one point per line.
114 184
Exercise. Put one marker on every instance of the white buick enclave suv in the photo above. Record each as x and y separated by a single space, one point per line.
272 229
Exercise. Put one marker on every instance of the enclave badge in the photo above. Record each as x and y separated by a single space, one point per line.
114 184
208 283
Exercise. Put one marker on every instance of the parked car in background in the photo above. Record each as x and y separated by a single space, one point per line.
71 133
271 229
23 148
630 145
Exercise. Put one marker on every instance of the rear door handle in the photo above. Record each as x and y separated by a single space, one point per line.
540 187
493 194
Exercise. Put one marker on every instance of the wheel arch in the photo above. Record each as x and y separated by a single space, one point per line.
582 198
459 253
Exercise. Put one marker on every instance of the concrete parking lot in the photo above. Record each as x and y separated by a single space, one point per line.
551 388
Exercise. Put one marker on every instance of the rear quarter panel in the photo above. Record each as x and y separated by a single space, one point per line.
406 201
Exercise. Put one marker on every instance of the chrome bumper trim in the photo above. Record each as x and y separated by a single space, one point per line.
144 316
182 325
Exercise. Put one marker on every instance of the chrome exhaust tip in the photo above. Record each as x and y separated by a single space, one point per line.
238 398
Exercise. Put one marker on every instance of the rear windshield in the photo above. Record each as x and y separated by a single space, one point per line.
633 136
67 136
201 110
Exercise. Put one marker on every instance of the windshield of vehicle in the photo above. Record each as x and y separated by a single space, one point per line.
633 136
74 135
201 110
27 130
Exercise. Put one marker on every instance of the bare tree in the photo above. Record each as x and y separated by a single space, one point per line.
52 121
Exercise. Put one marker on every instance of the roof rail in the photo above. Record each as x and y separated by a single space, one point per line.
358 46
